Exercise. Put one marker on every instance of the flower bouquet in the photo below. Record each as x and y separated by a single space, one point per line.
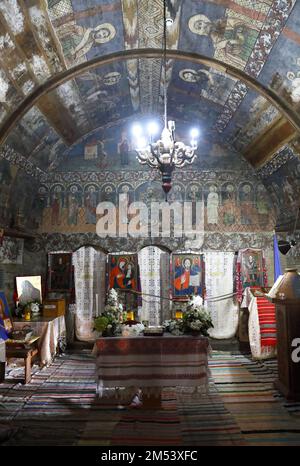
195 320
35 307
109 323
174 326
132 330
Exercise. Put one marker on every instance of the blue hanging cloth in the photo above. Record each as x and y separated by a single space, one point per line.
277 265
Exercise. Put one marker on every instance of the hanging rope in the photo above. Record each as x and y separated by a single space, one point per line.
212 299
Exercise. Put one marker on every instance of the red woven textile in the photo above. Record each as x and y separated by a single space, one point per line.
267 322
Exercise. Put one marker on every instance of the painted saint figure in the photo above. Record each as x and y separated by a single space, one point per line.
251 272
229 208
262 205
212 206
56 205
122 274
232 38
77 40
246 205
186 276
90 205
73 206
123 148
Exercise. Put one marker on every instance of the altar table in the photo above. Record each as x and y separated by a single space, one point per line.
156 362
49 329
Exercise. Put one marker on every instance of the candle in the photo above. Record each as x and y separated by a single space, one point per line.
178 315
130 315
97 308
27 313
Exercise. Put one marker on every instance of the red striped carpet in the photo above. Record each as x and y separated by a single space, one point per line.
59 408
267 321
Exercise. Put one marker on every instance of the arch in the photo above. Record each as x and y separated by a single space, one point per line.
55 81
90 245
157 245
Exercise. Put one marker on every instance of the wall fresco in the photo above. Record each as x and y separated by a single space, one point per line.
281 176
113 148
232 202
17 198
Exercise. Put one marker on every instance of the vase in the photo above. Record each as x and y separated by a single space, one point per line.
289 288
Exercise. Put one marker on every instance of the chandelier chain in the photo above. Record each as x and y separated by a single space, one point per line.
166 153
165 64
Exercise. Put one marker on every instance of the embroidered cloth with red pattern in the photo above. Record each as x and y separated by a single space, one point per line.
267 321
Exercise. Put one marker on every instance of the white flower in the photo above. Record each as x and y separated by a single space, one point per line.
196 325
132 330
197 301
35 307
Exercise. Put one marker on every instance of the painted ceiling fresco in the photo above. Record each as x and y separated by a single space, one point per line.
42 38
80 125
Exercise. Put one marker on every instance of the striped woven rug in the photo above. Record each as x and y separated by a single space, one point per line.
59 407
246 388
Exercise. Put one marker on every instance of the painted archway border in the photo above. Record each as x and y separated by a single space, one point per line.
66 75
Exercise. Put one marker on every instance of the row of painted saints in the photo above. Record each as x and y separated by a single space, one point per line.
226 205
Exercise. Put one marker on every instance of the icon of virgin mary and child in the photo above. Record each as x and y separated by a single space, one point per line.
122 274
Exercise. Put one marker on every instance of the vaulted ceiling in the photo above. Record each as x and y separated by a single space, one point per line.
43 40
74 74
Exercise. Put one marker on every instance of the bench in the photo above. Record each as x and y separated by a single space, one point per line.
25 350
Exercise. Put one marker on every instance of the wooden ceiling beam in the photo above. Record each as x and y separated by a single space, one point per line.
55 43
51 106
38 49
262 149
55 112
